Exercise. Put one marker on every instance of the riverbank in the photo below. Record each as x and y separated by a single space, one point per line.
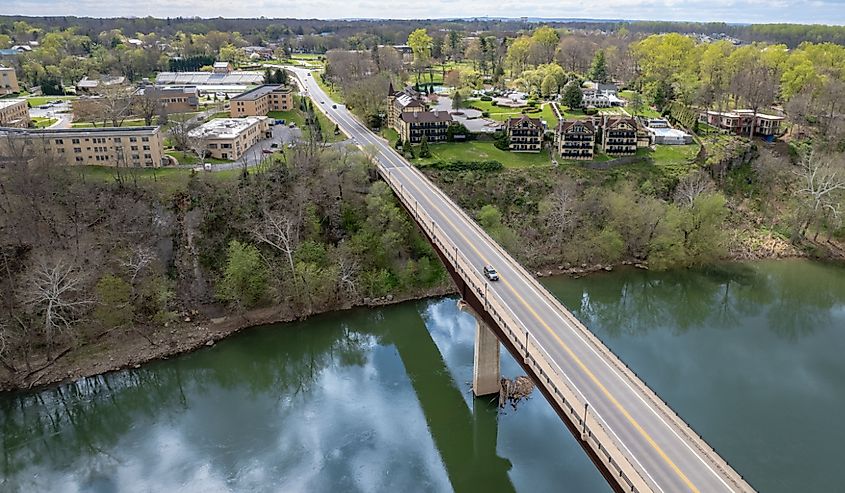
119 350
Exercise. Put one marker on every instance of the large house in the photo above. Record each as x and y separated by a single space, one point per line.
576 139
8 81
525 134
740 121
231 138
109 146
619 135
261 100
409 116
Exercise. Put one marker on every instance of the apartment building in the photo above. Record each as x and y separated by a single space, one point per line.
619 136
434 125
576 139
109 146
8 81
230 138
740 121
261 100
14 113
525 134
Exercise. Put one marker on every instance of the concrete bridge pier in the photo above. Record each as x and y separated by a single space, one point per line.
486 377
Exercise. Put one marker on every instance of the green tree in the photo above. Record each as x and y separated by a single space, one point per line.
636 104
245 277
115 308
598 70
549 86
408 149
425 152
572 95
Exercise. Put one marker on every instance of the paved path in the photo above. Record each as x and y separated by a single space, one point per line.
667 455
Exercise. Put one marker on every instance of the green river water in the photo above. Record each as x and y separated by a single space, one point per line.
752 356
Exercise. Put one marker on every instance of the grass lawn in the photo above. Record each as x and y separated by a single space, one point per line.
42 122
334 93
39 100
126 123
388 133
673 161
501 113
191 158
166 181
483 151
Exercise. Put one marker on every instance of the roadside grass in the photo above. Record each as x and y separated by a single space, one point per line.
333 92
42 122
482 151
164 181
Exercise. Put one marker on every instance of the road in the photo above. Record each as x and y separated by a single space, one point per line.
664 453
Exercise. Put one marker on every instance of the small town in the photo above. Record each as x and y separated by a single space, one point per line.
449 247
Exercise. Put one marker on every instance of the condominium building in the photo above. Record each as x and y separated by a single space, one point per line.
14 113
409 116
230 138
576 139
740 121
619 136
109 146
8 81
261 100
525 134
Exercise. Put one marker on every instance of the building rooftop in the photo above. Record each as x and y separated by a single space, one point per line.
260 91
164 90
524 118
81 132
5 103
566 125
426 117
225 128
743 112
210 78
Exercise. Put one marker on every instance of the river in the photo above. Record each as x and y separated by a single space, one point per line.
751 355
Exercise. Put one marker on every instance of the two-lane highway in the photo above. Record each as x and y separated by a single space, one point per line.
667 455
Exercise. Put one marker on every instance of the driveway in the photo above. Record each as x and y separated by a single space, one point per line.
469 117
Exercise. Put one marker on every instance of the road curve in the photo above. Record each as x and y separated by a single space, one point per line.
665 452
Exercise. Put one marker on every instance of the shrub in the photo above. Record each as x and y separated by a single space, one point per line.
485 114
591 111
458 165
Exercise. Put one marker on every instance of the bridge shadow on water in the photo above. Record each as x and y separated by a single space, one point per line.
466 438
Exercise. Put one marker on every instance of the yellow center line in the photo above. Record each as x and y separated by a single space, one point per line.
567 349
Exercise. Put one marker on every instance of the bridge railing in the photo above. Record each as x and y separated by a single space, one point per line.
594 430
691 436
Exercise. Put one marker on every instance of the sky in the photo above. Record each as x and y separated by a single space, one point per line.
734 11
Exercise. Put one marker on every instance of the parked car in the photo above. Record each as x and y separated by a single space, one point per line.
292 125
334 106
280 121
267 151
274 145
490 273
207 166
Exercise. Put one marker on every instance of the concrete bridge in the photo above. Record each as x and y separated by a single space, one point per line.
633 437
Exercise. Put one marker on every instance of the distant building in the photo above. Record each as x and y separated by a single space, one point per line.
230 138
14 113
222 68
87 85
619 135
409 116
174 99
110 146
206 80
261 100
525 134
8 81
662 133
576 139
740 121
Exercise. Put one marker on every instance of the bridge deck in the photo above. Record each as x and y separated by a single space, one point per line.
641 441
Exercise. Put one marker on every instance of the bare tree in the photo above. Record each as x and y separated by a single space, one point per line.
140 257
280 231
691 186
757 85
115 103
348 270
55 294
147 104
821 184
199 146
180 126
560 208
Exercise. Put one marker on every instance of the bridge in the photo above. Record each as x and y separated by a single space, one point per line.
634 438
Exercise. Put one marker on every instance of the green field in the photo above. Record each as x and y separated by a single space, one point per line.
483 151
39 100
647 111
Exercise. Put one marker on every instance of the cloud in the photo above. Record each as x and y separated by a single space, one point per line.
806 11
